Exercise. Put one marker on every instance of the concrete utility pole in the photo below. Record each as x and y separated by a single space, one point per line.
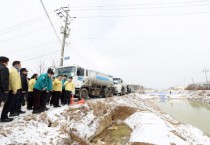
205 71
64 40
64 30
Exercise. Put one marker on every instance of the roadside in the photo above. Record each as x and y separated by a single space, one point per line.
82 124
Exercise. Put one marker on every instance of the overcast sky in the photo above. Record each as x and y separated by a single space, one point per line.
155 43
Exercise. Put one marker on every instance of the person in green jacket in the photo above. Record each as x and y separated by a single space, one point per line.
41 87
50 89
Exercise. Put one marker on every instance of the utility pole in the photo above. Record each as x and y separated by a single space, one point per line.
64 40
194 83
64 30
205 71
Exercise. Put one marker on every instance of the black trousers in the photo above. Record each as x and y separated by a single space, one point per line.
55 98
67 97
36 99
52 98
30 100
8 105
49 96
62 96
14 107
43 100
19 100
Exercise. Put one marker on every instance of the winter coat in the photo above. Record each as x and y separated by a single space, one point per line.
14 80
69 86
31 85
4 79
63 82
57 85
42 82
24 82
50 85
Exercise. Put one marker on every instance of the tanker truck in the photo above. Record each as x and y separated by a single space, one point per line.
120 87
88 83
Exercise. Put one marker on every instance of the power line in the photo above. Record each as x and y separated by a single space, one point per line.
41 56
142 4
18 36
140 8
50 22
188 13
31 47
137 38
22 26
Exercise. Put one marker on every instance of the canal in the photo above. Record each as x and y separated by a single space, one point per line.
193 113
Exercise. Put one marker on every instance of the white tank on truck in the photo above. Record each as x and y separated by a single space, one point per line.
87 82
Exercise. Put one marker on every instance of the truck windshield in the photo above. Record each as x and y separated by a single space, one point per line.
68 71
116 81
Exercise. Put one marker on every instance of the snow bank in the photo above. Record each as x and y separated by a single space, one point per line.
149 128
80 123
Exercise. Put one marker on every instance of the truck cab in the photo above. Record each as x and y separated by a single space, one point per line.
78 74
119 86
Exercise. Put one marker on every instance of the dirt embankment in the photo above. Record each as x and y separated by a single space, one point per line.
199 96
80 124
105 115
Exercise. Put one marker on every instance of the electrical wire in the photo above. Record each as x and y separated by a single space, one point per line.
51 22
41 56
31 47
25 22
143 4
18 36
22 26
188 13
140 8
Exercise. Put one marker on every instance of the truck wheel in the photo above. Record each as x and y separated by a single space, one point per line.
111 94
83 94
105 93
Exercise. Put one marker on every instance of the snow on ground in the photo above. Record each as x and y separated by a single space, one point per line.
81 123
149 128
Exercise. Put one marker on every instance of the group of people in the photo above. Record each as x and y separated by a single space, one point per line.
38 91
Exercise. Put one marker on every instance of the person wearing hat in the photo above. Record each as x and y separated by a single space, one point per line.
4 88
20 97
40 88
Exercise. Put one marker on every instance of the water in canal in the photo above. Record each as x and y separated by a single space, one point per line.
117 134
194 113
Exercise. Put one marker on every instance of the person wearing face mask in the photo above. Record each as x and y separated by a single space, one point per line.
4 89
15 86
30 91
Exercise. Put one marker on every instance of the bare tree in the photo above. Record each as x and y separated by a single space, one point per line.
55 62
40 67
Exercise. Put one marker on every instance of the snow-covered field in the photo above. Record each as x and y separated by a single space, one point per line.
79 124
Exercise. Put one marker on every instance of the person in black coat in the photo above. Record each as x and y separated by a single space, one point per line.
4 88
